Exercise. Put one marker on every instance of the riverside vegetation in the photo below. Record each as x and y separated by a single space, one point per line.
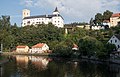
90 42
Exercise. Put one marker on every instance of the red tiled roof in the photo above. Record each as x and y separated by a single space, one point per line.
20 46
40 45
75 46
116 15
106 21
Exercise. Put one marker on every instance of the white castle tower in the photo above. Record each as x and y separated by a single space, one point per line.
25 13
56 12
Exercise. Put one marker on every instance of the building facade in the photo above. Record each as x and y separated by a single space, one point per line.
39 48
115 39
55 18
22 49
115 20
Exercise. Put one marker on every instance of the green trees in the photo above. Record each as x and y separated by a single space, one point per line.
89 46
99 18
90 42
107 14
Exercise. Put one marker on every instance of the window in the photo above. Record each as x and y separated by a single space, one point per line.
111 41
28 22
115 41
118 46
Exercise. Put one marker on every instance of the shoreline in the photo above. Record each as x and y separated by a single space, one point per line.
28 54
113 61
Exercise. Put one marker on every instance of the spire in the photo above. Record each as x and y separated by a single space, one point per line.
56 10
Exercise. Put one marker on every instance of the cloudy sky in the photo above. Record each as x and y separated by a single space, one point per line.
71 10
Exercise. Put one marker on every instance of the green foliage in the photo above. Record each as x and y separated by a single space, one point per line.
107 14
109 48
99 18
63 49
90 42
88 46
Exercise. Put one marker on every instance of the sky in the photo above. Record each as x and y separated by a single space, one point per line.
71 10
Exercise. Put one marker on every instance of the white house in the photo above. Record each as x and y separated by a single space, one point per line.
39 48
115 19
106 23
115 39
22 48
96 27
75 47
55 18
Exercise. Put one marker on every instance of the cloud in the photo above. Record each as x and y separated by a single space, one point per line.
76 10
27 3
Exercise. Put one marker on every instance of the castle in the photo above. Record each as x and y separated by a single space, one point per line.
55 18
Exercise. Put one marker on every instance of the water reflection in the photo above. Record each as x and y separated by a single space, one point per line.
36 66
40 63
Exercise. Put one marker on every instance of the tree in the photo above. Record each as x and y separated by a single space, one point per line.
98 19
89 46
91 22
107 14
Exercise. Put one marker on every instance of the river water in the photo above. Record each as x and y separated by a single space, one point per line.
37 66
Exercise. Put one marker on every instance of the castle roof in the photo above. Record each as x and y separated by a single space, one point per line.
56 10
41 16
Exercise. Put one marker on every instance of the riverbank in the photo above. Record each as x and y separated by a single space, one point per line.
53 55
29 54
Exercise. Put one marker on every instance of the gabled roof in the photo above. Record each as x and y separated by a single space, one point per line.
106 21
40 45
118 36
21 46
116 15
75 46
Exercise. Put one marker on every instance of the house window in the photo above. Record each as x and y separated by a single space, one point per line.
111 41
118 46
28 22
115 41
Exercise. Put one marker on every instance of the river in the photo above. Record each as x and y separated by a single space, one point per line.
37 66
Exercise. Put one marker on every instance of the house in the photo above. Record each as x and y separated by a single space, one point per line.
39 48
115 19
75 47
22 48
55 18
97 27
106 23
115 39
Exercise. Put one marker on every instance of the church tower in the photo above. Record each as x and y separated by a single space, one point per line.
25 13
56 12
